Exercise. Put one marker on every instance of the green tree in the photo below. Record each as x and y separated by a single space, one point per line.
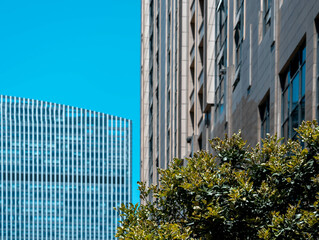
266 192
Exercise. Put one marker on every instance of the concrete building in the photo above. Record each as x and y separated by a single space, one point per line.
62 170
214 67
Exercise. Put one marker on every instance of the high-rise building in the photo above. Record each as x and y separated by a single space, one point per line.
214 67
62 170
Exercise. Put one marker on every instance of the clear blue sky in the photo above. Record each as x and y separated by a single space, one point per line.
79 53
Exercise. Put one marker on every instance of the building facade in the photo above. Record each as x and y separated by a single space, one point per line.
215 67
62 170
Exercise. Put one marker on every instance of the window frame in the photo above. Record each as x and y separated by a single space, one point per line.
267 14
220 89
221 53
264 113
287 87
238 38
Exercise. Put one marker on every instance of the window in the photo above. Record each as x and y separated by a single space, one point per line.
264 117
221 23
221 62
220 88
238 37
168 30
293 94
267 14
151 12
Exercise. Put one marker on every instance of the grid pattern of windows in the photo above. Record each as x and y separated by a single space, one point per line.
62 170
293 94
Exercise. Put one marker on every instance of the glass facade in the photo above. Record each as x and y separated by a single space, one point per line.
62 170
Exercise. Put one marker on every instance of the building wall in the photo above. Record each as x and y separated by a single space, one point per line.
231 71
266 54
163 124
62 170
145 126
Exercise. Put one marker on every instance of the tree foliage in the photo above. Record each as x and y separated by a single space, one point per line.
266 192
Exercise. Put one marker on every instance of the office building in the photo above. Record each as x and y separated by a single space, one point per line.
62 170
214 67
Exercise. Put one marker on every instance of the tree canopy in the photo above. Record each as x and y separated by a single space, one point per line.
270 191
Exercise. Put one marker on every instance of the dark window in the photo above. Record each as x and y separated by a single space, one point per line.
238 37
293 94
267 15
264 117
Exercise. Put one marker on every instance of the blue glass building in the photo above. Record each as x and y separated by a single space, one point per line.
62 170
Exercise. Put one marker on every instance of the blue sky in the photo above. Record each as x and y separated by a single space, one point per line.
79 53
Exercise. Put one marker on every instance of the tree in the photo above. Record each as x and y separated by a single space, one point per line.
267 192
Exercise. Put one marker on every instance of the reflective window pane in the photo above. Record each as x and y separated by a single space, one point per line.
303 55
295 91
293 94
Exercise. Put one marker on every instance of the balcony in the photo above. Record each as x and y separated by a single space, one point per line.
201 81
193 11
201 32
151 98
151 28
191 102
236 77
151 127
192 55
201 125
151 63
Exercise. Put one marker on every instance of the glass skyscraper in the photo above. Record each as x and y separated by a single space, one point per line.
62 170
